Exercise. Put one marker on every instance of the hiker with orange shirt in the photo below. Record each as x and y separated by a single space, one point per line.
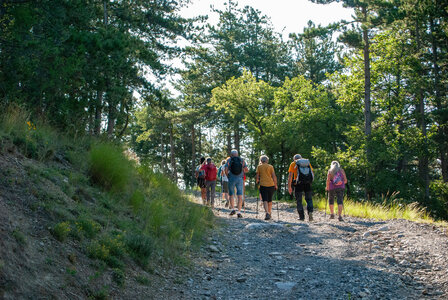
268 184
300 177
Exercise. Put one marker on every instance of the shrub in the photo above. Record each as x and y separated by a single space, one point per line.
118 277
140 247
88 228
19 236
61 231
109 167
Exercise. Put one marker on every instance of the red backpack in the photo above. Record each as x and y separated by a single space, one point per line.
210 172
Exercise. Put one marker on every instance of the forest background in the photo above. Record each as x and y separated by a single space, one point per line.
370 92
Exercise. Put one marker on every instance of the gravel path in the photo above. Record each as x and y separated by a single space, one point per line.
250 258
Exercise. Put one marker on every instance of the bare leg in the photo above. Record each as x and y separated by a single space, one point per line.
240 202
270 208
231 203
266 206
332 209
339 209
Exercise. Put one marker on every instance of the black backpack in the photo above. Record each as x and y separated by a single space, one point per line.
236 165
304 173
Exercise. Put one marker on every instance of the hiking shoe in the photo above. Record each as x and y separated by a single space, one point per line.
332 216
340 219
268 217
301 219
310 217
239 215
232 212
227 204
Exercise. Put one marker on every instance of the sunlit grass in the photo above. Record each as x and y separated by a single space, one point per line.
368 210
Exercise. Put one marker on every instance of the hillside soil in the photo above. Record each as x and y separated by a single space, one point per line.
285 258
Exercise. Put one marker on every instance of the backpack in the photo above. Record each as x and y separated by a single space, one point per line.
304 173
337 179
236 165
210 174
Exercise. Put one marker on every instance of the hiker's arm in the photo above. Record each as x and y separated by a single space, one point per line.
327 188
345 177
245 168
289 183
257 177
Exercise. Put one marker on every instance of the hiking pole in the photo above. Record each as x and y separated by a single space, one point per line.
258 198
278 214
326 200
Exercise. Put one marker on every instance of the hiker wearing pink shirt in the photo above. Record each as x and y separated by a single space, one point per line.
336 181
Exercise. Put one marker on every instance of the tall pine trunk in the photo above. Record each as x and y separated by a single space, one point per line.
423 163
367 103
237 136
442 144
98 111
193 152
172 155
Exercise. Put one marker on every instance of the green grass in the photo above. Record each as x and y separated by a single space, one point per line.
115 210
368 210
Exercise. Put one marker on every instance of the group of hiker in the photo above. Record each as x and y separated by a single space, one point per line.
232 174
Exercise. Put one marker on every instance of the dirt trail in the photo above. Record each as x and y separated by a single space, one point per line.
250 258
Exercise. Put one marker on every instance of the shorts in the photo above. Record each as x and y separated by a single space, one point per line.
267 192
238 183
339 193
201 183
225 187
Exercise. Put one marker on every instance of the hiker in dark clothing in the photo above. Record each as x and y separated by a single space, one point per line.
200 177
300 178
336 181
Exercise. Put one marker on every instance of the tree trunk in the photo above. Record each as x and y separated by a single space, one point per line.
237 137
172 155
423 163
110 119
229 143
367 104
98 112
199 141
443 151
193 152
162 154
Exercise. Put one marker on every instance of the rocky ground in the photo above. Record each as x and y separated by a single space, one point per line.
250 258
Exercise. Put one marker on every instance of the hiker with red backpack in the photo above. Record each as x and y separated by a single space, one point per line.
210 181
235 169
199 173
301 175
336 181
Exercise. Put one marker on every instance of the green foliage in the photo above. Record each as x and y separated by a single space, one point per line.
118 277
19 237
386 210
143 280
61 231
109 168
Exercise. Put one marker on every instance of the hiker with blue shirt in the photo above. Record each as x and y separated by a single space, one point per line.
336 181
234 169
